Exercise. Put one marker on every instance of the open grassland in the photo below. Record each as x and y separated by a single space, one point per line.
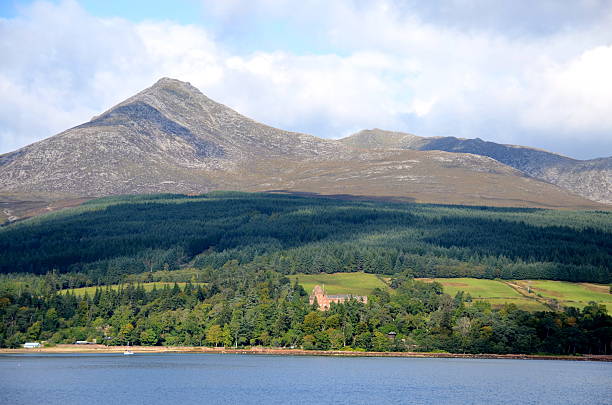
147 287
532 295
341 283
526 304
495 292
477 288
569 294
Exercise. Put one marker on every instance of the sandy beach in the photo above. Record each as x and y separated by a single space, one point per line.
95 348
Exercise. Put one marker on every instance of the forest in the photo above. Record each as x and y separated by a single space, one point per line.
233 253
106 240
242 306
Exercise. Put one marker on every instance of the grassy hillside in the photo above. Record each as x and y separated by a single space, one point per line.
529 294
106 239
495 292
341 283
477 288
569 294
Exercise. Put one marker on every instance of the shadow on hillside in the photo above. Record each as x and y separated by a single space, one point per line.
344 197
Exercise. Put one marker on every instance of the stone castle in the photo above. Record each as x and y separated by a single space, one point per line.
324 301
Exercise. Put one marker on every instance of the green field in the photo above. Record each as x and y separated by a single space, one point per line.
525 304
478 288
147 287
341 283
570 294
495 292
534 298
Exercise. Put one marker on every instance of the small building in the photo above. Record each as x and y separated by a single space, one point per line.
32 345
84 342
324 301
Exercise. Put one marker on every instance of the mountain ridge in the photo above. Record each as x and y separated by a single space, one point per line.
172 138
591 178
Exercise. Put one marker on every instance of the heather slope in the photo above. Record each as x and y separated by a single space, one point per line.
590 179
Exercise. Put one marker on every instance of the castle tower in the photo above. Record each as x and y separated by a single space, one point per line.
318 293
324 301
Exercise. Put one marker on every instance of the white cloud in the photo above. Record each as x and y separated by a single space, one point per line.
58 67
285 89
575 96
395 69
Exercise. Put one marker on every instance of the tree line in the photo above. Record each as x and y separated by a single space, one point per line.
241 306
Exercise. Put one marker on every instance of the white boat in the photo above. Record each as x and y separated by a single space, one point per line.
127 351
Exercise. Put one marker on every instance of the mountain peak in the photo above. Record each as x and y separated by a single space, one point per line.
169 80
167 86
381 139
170 83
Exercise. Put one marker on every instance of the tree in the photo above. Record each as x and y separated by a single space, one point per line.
463 328
236 325
149 337
227 336
312 322
363 340
125 334
308 342
51 321
336 338
34 330
380 342
214 335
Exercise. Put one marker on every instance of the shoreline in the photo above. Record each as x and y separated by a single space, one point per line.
91 349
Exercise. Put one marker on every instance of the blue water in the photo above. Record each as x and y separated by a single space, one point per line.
248 379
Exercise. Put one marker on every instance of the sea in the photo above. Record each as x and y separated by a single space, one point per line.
185 378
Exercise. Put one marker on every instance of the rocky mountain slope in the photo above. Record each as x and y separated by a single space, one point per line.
168 138
172 138
591 179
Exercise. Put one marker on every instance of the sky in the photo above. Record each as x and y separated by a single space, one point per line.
534 73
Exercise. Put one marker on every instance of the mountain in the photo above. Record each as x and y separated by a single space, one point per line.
172 138
591 179
167 138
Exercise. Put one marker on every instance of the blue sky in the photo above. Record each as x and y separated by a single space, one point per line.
182 11
240 32
521 72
